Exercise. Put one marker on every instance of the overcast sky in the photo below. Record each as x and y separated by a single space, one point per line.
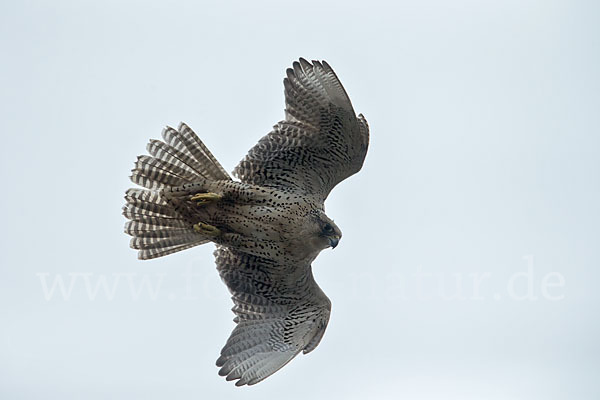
470 264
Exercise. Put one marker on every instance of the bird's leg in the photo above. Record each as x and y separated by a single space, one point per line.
203 199
206 229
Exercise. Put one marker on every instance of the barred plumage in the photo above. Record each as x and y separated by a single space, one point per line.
268 228
158 225
186 141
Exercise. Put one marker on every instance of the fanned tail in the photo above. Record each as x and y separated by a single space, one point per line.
159 227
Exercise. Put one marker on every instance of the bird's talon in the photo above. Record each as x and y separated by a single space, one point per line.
206 198
206 229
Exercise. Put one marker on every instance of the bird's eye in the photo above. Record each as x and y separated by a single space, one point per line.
328 228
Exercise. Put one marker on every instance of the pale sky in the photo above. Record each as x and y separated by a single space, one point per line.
469 265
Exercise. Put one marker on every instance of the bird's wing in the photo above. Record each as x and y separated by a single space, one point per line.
279 313
321 141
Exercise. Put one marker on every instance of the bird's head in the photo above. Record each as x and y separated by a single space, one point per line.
327 232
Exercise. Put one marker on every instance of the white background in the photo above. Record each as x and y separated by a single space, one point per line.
483 167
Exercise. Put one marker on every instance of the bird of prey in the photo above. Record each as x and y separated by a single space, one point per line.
268 227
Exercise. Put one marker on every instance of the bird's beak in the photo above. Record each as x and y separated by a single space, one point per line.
333 241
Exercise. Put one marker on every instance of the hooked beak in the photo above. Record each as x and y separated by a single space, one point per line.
333 241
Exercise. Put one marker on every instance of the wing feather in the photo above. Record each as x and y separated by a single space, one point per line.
280 311
320 143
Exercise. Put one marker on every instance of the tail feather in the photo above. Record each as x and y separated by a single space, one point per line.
154 168
144 195
156 174
145 213
146 182
163 151
163 233
138 227
185 140
140 243
158 226
148 220
145 207
149 254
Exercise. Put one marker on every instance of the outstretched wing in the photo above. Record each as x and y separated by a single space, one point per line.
280 311
320 143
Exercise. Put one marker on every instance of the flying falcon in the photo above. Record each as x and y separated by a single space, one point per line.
268 227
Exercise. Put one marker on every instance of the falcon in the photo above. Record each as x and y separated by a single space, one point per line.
268 226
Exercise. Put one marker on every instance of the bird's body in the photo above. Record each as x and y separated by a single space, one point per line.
263 221
268 228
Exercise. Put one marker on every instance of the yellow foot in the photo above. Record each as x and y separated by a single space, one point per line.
206 229
206 198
